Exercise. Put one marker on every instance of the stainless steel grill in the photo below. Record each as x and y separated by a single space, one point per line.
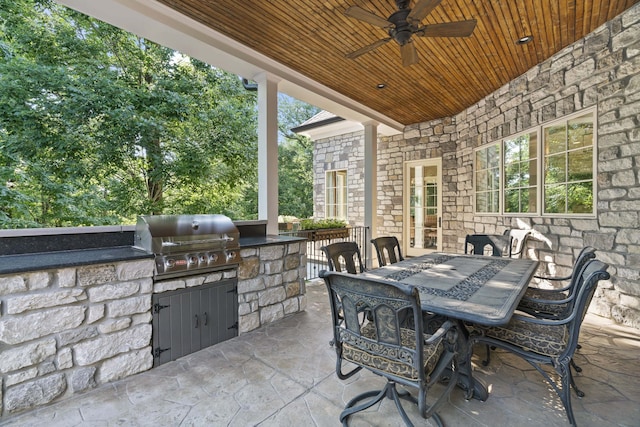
188 244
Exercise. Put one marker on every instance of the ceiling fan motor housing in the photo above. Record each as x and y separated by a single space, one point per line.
402 29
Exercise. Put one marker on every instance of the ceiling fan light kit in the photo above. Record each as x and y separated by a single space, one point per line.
405 22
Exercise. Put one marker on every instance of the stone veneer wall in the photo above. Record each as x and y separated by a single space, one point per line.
271 284
601 70
68 330
343 152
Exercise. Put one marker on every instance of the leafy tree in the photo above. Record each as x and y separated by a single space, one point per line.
295 153
98 125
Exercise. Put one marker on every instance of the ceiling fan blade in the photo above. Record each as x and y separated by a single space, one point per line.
368 17
368 48
447 29
409 54
421 9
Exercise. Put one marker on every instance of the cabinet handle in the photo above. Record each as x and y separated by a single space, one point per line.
196 325
206 319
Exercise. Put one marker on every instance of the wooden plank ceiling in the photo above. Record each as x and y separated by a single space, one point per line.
313 37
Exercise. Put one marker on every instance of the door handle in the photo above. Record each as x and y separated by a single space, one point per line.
196 318
439 222
206 318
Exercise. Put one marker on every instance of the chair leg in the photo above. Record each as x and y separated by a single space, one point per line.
565 372
576 367
487 360
389 391
575 388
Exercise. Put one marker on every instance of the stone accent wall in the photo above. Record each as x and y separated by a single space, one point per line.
69 330
343 152
270 284
603 71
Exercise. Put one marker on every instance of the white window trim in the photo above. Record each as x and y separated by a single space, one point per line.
537 131
565 119
540 179
500 184
346 184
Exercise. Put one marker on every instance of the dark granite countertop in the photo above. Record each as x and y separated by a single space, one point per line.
250 242
72 258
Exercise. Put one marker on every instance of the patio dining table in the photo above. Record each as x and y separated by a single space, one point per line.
465 288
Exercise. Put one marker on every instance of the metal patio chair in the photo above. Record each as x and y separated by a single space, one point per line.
552 303
344 255
382 345
548 341
498 244
519 239
388 250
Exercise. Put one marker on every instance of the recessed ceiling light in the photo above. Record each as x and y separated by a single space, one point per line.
381 85
524 40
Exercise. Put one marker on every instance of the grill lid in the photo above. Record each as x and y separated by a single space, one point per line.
166 234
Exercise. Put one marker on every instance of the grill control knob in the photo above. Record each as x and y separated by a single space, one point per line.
193 259
231 255
203 258
170 263
213 257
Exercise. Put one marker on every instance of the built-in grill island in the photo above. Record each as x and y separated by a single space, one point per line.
195 300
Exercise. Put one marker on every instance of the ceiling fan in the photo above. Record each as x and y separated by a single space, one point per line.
404 23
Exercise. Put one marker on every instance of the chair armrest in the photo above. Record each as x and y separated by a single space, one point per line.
548 301
437 335
541 321
554 278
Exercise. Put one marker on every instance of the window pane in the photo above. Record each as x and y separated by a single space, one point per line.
487 179
495 201
336 194
512 175
481 159
580 132
555 139
555 169
580 165
512 201
532 200
494 156
481 202
580 197
520 160
555 198
482 181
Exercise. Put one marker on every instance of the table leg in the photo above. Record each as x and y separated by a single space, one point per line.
473 387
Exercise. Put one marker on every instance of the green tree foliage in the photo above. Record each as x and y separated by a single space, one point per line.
98 125
295 153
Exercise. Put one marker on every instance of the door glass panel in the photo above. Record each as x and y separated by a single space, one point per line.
423 207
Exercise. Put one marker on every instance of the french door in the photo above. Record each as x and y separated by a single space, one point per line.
422 206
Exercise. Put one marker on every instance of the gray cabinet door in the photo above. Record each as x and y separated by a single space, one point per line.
187 320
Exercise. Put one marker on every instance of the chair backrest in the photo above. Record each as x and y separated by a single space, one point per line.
519 239
387 249
344 255
387 305
499 244
590 274
587 253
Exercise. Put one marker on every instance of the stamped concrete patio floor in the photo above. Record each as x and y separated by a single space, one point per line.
283 375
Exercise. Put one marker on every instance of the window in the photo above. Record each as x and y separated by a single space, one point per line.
548 170
569 166
487 179
336 194
521 173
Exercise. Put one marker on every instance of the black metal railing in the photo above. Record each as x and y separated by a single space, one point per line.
316 259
